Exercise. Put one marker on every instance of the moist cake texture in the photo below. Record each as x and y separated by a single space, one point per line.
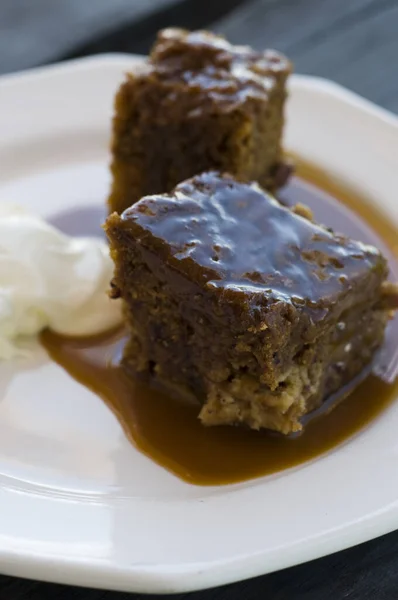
244 304
198 103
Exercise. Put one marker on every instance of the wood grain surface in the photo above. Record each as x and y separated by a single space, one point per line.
34 32
354 42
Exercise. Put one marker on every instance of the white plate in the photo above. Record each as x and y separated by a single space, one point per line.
78 503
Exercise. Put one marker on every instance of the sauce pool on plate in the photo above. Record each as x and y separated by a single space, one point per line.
168 430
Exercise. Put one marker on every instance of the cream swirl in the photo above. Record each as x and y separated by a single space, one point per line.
48 279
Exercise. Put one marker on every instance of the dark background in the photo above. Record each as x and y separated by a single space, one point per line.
354 42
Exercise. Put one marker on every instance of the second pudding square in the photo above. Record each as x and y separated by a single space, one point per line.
198 103
239 301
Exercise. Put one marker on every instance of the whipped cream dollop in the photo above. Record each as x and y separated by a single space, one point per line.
48 279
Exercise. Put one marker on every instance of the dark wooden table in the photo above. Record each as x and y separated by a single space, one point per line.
354 42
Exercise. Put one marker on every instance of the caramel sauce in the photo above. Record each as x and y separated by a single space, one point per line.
167 429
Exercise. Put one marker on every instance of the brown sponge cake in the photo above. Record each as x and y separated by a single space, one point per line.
248 306
198 103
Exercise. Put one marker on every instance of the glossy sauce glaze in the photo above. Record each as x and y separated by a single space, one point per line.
234 237
167 429
220 76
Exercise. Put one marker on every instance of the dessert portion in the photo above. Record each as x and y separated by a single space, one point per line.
244 304
198 103
48 279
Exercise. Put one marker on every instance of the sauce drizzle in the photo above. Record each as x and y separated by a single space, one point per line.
167 429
